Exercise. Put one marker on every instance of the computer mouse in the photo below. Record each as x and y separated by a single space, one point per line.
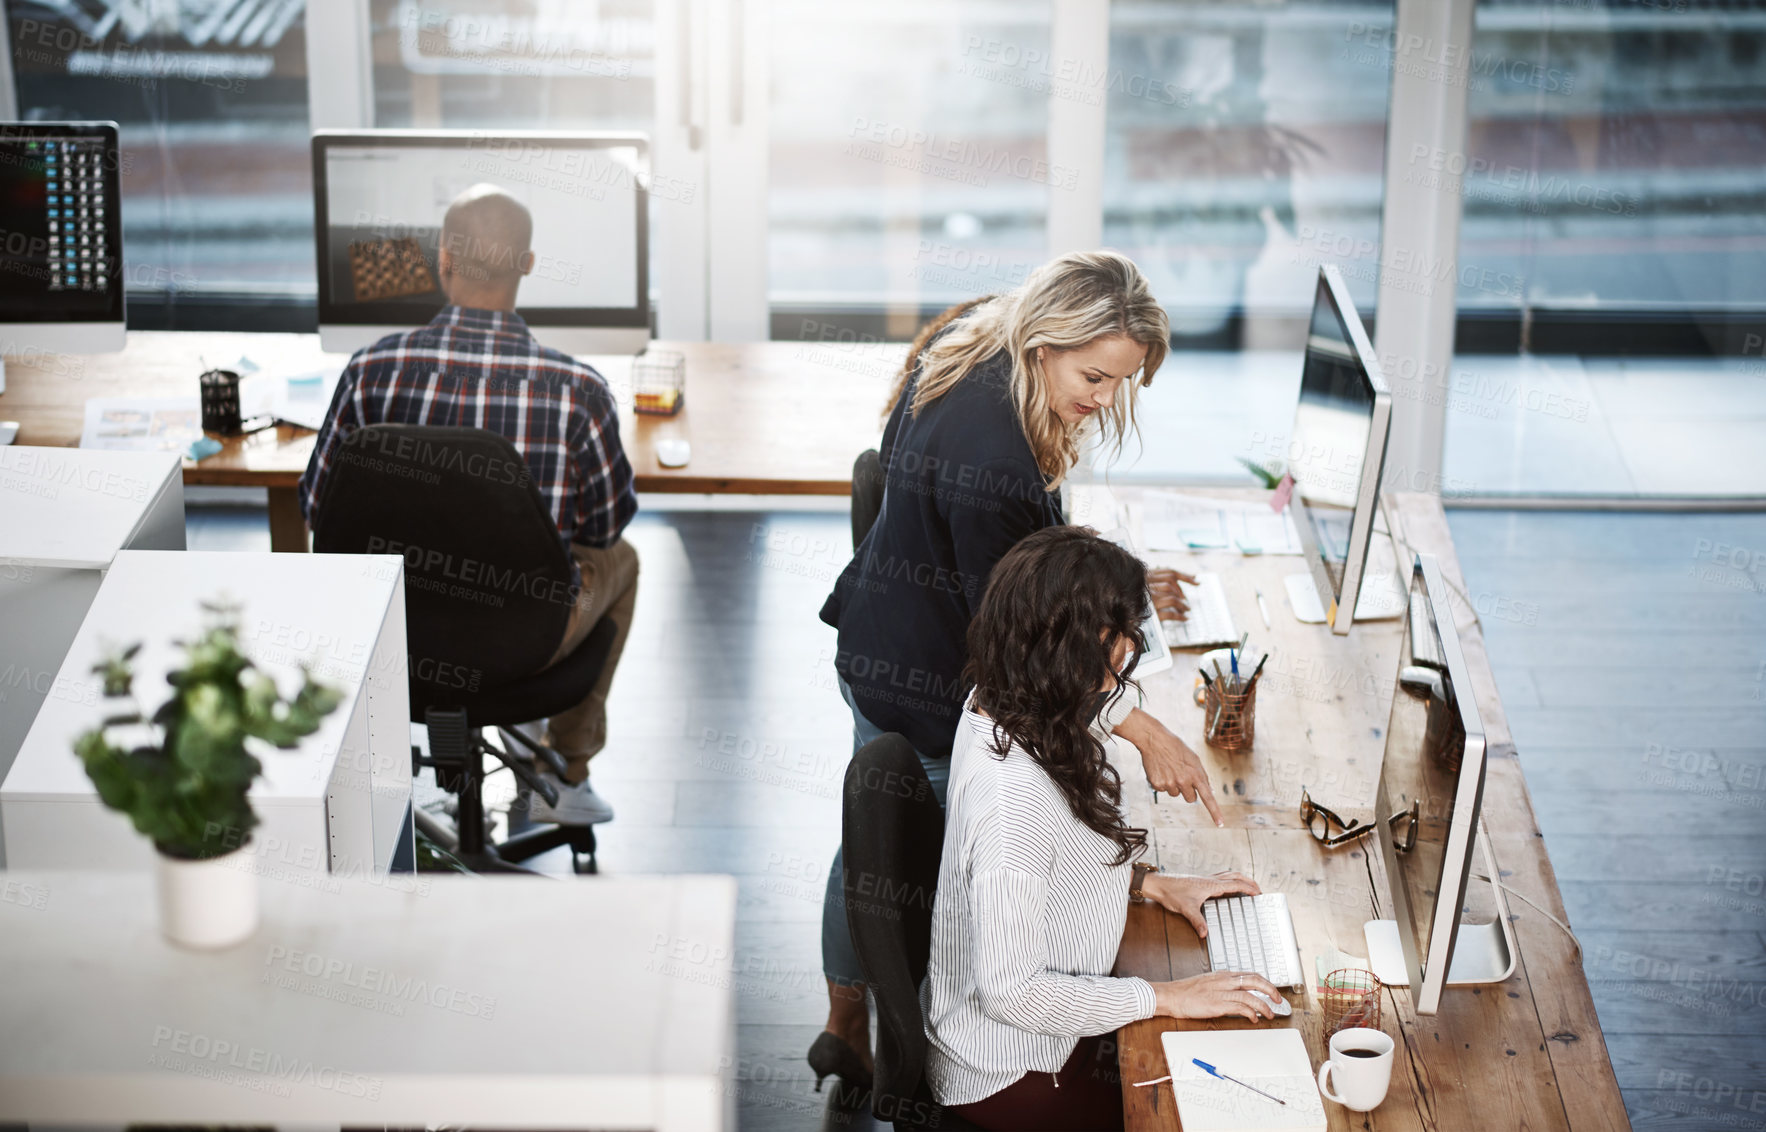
673 452
1423 681
8 432
1279 1005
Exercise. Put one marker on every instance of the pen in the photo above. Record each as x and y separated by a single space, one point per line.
1213 1072
1263 609
1255 672
1203 673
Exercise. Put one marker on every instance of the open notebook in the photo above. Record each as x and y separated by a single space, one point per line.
1272 1060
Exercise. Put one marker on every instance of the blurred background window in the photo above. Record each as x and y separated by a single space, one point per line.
908 162
485 64
1245 147
1614 190
211 100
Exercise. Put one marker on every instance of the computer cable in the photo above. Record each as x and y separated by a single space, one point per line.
1507 891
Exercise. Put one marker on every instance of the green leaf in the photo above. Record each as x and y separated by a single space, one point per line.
1269 475
190 794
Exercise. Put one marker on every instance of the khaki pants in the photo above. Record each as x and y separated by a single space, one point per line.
610 589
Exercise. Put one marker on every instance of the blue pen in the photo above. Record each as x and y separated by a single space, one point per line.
1233 654
1213 1072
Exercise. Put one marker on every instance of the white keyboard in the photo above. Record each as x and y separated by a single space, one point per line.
1209 622
1253 933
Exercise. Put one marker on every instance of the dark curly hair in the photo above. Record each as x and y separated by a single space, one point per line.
1039 658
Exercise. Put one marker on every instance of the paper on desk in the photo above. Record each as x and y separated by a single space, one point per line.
1174 521
1274 1060
142 424
297 398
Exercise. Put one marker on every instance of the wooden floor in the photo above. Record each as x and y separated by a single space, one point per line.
1633 668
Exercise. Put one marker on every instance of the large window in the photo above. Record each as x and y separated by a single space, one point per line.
1615 176
1616 156
211 100
1244 148
484 64
908 165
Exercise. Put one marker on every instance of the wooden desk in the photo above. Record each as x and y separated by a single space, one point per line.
1527 1053
773 418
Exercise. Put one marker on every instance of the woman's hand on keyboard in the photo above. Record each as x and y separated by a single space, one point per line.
1170 764
1186 895
1220 994
1168 596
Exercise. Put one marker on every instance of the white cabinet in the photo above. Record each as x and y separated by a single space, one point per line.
337 803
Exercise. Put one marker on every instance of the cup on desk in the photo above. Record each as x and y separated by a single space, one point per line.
1360 1064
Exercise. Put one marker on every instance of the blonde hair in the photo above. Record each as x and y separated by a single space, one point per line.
1065 304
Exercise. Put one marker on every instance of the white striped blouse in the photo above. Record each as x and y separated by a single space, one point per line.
1026 924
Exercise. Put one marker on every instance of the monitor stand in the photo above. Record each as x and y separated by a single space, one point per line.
1482 953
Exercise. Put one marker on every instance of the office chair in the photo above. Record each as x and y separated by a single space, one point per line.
488 587
891 839
867 494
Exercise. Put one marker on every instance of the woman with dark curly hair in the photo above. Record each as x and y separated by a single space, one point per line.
1037 871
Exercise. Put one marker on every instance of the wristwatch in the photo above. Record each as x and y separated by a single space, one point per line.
1141 872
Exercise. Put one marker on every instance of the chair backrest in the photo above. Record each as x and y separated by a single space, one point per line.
892 836
867 494
488 583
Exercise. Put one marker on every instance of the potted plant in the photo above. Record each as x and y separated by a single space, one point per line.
182 776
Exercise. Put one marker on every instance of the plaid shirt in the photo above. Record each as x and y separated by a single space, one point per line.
482 369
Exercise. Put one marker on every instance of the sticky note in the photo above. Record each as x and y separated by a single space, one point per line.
1283 492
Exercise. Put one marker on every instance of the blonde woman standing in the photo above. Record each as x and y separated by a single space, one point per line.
985 428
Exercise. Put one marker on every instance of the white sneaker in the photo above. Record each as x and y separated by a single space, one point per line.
576 805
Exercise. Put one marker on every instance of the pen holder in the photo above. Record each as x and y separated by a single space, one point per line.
1347 998
659 383
1229 718
220 402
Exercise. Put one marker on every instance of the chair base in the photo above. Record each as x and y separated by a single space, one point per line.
507 856
456 752
539 839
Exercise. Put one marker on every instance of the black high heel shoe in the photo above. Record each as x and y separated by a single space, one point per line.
830 1054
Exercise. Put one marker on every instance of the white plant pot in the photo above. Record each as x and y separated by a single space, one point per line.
208 904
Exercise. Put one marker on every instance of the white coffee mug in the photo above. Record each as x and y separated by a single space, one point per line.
1361 1065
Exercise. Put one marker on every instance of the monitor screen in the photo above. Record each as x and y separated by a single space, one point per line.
1331 427
382 197
1431 779
61 235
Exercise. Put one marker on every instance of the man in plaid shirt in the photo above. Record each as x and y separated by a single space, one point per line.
475 365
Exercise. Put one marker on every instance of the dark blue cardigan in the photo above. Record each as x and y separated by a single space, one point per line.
960 489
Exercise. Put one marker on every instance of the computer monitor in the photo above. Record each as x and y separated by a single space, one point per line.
61 239
1337 454
1426 814
379 199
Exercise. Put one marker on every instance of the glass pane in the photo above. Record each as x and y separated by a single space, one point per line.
908 165
1245 148
542 64
516 65
1615 157
1615 170
211 101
